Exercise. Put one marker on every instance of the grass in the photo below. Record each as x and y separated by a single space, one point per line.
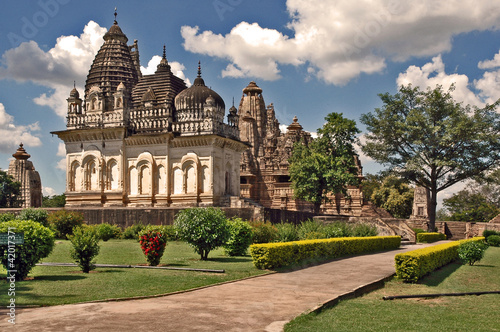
467 313
63 285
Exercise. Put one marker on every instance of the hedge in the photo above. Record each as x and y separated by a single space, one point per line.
273 255
413 265
430 237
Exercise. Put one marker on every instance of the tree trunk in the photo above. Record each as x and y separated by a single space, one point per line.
316 208
431 209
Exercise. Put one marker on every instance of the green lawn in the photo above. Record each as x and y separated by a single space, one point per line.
467 313
62 285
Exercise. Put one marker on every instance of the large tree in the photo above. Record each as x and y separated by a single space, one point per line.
432 140
10 191
326 166
393 195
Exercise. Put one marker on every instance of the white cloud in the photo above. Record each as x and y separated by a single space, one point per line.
48 191
339 40
176 68
69 60
489 64
11 135
480 91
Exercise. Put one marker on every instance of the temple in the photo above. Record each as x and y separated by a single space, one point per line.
23 171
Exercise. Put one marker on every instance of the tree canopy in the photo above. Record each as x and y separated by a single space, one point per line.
432 140
10 191
327 165
391 193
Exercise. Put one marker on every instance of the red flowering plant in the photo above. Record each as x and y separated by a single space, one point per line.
153 241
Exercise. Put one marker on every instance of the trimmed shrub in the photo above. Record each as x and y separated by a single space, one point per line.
286 232
273 255
430 237
38 244
310 226
471 252
107 231
493 240
418 230
413 265
240 238
38 215
132 232
85 241
153 241
263 232
487 233
7 217
364 230
63 222
204 229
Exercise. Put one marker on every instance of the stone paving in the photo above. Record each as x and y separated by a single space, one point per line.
264 303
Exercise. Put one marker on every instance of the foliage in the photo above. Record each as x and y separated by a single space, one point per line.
38 215
85 241
469 205
395 196
63 221
432 140
54 201
286 232
424 237
337 229
107 231
240 238
493 240
488 232
38 244
7 217
170 232
263 232
471 252
364 230
306 228
273 255
204 229
413 265
132 232
10 191
153 241
327 166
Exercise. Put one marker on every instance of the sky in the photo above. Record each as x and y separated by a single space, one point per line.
310 58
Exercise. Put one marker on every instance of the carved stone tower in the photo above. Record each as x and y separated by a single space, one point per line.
23 171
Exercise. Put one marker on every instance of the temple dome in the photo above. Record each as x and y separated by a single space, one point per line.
74 93
190 102
113 64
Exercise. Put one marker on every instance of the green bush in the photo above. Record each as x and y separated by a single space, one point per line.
263 232
107 231
38 215
418 230
85 241
240 238
286 232
153 241
337 229
7 217
309 226
170 232
273 255
63 221
493 240
132 232
364 230
430 237
38 244
204 229
487 233
471 252
413 265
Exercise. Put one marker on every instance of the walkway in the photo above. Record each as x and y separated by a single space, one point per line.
264 303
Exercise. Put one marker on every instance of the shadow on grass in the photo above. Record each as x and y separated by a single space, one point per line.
438 276
59 278
230 259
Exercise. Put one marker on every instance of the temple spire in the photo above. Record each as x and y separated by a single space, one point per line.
199 69
115 22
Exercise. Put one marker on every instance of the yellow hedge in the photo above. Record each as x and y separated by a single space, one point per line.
273 255
430 237
413 265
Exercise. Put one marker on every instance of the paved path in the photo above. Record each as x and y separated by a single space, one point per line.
264 303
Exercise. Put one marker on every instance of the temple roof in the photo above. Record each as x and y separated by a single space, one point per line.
21 153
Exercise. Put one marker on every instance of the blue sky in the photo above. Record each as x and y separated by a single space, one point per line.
309 57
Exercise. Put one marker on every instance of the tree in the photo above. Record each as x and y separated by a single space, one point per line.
432 140
54 201
467 205
395 196
10 191
327 166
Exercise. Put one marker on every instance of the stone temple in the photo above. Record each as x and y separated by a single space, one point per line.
23 171
135 140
